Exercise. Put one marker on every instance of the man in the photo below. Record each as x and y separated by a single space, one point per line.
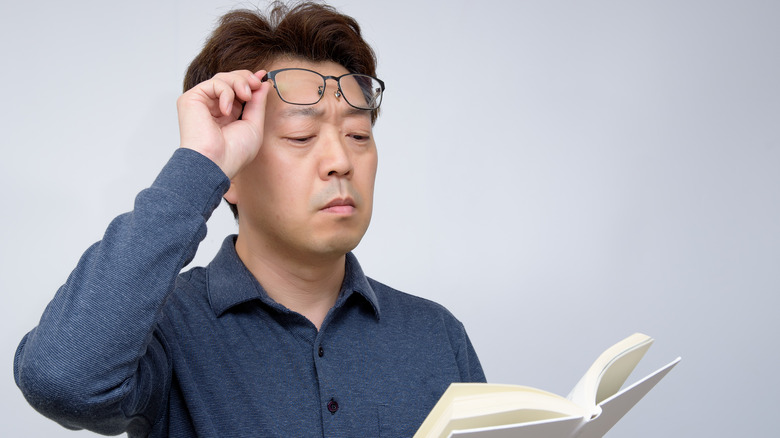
281 334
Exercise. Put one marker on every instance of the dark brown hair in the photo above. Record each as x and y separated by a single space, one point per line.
246 39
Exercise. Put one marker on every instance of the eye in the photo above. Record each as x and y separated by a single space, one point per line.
300 141
362 138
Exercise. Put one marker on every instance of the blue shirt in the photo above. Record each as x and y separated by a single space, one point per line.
127 344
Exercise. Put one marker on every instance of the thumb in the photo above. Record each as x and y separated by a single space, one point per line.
254 110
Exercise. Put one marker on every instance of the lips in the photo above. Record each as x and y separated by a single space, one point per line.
340 205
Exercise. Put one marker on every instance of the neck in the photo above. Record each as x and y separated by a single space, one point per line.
309 286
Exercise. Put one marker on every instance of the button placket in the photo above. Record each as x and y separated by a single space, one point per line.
326 375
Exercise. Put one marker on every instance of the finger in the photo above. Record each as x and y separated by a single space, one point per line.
242 82
254 110
238 108
256 78
225 95
253 83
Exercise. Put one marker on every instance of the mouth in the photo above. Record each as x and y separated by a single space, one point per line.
340 206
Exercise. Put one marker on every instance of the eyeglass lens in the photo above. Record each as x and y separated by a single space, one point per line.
305 87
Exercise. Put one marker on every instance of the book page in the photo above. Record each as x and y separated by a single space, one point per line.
468 407
555 428
482 410
610 371
615 407
463 390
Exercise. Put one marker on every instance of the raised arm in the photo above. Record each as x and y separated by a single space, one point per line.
94 361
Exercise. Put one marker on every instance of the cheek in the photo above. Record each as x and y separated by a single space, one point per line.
372 165
368 177
287 182
260 183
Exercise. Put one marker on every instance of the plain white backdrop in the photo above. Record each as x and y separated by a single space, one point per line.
559 174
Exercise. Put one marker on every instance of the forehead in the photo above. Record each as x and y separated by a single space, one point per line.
293 115
326 68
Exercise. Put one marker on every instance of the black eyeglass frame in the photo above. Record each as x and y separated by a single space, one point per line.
272 76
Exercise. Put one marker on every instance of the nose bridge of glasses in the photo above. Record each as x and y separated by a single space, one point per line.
338 92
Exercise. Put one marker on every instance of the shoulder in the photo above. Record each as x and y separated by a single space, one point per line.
398 305
189 296
193 279
429 327
192 282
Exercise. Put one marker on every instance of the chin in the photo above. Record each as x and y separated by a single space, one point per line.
343 240
340 245
344 246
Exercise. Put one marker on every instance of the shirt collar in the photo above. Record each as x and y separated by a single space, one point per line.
230 283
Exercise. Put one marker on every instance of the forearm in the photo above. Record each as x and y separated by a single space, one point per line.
83 359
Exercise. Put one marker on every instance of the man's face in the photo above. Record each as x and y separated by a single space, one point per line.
309 192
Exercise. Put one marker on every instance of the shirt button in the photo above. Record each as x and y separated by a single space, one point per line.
321 351
333 406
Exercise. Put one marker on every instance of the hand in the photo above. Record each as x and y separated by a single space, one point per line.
209 118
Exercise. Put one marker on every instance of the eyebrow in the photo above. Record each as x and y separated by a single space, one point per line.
305 111
313 112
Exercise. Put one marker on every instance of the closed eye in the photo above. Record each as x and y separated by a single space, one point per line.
300 140
360 137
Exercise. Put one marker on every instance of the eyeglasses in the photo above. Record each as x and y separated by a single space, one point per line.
299 86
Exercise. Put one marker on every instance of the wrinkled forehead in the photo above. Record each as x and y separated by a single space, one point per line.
286 111
325 68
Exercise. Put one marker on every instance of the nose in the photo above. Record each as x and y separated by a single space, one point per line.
336 157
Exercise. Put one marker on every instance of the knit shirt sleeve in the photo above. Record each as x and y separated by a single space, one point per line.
95 361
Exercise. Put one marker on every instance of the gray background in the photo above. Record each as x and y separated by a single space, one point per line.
559 174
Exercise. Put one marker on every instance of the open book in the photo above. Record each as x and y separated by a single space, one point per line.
484 410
